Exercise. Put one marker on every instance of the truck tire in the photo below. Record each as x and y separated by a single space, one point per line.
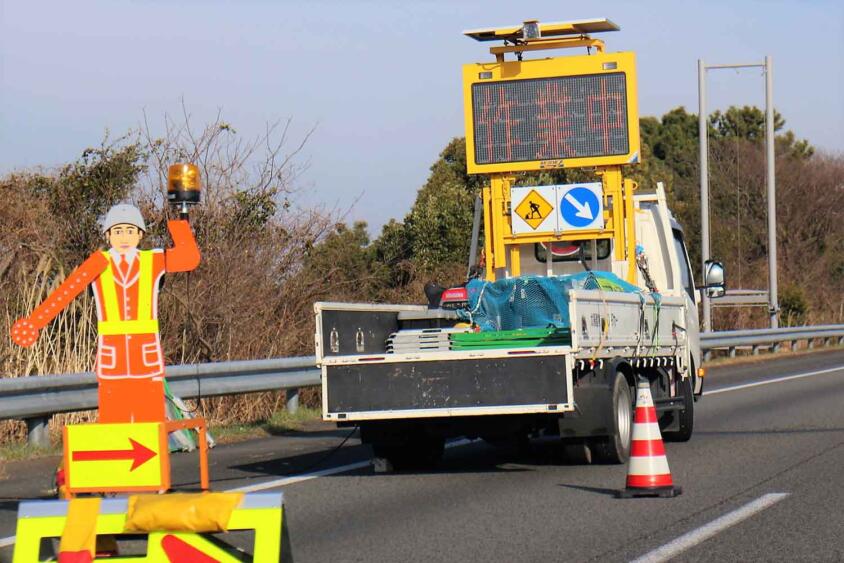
685 417
420 453
615 448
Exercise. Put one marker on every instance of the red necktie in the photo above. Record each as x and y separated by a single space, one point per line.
124 266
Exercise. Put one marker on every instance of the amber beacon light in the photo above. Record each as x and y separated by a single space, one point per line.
183 186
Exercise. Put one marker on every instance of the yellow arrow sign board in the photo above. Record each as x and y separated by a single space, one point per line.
116 457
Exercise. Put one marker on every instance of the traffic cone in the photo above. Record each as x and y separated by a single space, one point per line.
647 473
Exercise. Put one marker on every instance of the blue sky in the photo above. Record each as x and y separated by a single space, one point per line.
380 80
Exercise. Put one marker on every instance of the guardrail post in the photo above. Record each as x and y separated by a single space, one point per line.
794 344
36 431
775 348
840 340
810 343
755 350
732 351
707 355
292 399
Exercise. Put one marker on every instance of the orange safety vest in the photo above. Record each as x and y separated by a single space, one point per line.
114 322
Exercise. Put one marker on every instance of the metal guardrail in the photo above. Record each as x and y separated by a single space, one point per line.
773 337
36 399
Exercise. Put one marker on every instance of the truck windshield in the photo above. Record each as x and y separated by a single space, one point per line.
569 251
683 259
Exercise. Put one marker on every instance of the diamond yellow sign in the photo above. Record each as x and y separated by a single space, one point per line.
534 209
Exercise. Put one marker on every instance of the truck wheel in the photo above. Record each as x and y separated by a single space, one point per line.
420 453
685 417
615 448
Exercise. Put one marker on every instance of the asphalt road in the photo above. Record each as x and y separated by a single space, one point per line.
762 481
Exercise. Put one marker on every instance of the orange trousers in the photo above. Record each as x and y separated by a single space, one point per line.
131 400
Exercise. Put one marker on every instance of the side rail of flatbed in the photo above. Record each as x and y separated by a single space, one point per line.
639 327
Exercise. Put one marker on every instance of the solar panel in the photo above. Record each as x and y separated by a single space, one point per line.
550 29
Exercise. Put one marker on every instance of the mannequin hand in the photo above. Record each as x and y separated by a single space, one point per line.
24 333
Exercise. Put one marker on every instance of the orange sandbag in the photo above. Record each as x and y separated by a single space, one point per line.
181 512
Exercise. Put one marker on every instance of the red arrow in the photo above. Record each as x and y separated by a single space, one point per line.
138 454
179 551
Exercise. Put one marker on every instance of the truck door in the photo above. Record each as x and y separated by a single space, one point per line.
688 284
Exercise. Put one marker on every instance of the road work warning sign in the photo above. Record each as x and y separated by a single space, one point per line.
116 457
533 210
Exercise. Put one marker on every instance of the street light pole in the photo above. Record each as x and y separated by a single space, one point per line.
704 187
773 302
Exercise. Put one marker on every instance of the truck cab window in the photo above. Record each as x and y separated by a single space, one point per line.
683 259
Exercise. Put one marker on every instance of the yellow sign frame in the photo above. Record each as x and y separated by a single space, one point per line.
261 512
557 67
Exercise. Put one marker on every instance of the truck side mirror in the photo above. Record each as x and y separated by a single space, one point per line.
713 281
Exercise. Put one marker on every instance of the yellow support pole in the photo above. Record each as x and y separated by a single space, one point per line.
629 187
612 182
499 258
488 233
500 197
515 261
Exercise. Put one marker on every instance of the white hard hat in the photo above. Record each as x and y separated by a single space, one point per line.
123 214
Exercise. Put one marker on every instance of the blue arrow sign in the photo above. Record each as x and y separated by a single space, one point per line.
581 207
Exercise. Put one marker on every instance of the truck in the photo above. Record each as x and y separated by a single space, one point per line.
579 290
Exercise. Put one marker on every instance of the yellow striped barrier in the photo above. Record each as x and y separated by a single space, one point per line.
178 527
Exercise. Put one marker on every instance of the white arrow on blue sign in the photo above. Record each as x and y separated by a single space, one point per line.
581 206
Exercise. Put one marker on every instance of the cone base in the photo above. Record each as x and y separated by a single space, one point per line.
662 492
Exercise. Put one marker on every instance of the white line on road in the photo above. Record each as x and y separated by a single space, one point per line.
316 474
705 532
767 381
299 478
5 542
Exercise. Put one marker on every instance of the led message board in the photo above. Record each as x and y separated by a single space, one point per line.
551 113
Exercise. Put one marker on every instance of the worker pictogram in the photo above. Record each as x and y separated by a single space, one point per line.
116 457
533 209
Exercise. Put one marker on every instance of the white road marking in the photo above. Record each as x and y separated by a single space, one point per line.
5 542
316 474
768 381
705 532
299 478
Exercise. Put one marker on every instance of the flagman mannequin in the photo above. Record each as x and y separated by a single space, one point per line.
130 363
